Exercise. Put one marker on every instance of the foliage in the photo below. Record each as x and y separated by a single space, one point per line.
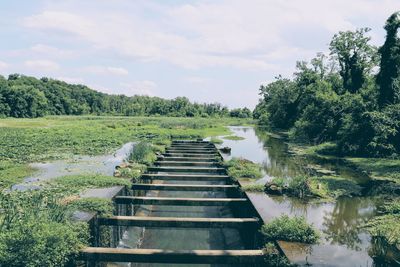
233 137
101 206
349 105
78 182
35 230
356 57
143 153
12 173
388 77
215 140
27 97
133 171
243 168
295 229
273 258
23 140
253 187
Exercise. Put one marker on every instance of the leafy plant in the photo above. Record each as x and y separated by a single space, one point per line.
243 168
294 229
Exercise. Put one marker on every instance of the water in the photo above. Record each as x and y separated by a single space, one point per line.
104 164
343 242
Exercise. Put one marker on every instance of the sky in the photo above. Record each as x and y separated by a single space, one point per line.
209 51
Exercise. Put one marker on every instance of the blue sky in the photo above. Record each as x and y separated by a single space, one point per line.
210 51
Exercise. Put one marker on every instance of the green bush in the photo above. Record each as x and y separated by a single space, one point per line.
295 229
143 153
243 168
300 186
35 229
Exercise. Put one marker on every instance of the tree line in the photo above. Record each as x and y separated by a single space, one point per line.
27 97
350 97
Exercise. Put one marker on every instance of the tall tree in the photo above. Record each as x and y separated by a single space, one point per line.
356 57
389 75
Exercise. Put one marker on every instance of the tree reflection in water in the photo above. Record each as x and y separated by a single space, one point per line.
343 224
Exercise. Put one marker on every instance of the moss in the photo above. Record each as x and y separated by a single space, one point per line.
243 168
233 137
295 229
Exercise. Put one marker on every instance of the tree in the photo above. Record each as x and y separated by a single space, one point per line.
356 57
388 78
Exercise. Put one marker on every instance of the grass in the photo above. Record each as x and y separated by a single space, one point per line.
387 226
216 140
387 169
253 187
293 229
12 173
80 182
233 137
58 137
243 168
101 206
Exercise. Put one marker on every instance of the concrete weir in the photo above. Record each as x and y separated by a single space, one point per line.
187 168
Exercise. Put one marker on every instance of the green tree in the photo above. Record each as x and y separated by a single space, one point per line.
388 77
356 57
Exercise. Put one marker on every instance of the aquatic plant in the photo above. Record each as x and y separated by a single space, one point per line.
243 168
101 206
253 187
80 182
216 140
273 258
233 137
287 228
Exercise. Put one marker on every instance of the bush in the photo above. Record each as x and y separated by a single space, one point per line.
143 153
294 229
35 229
243 168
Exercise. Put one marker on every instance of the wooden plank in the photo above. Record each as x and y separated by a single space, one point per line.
171 201
172 256
187 169
183 187
184 159
178 222
185 177
187 163
191 151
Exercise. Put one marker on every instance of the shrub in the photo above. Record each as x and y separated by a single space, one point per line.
216 140
300 186
143 153
35 230
295 229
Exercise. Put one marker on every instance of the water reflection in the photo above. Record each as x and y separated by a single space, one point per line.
344 242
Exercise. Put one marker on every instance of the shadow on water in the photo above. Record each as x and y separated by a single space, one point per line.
344 242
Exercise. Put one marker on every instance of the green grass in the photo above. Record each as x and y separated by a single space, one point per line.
12 173
294 229
101 206
253 187
243 168
81 182
233 137
216 140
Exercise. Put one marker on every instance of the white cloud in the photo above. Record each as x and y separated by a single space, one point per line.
51 51
222 33
42 65
102 70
